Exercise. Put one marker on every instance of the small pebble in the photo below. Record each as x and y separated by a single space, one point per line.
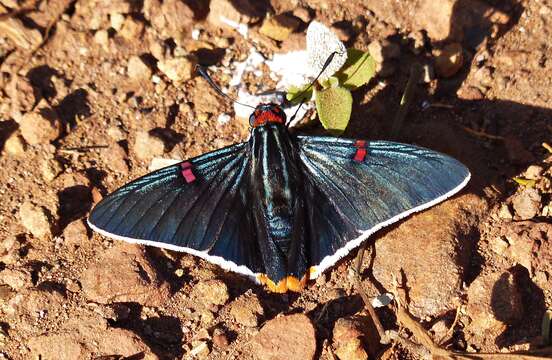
428 73
527 203
504 212
146 146
220 339
50 169
279 27
246 310
211 292
484 76
302 13
177 69
450 60
101 37
138 69
116 21
15 145
41 125
534 172
35 220
285 337
499 245
132 29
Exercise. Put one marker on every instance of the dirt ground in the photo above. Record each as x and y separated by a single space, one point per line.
92 90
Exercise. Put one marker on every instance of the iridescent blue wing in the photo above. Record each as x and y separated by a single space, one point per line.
197 206
354 188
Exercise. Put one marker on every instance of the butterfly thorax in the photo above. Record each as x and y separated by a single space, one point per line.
267 114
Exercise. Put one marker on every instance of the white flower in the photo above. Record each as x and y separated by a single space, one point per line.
321 43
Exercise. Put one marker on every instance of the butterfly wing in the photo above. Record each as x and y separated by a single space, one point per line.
354 188
196 206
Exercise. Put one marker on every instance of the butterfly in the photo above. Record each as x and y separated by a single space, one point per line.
279 208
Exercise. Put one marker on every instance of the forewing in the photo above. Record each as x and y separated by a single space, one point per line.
201 210
349 199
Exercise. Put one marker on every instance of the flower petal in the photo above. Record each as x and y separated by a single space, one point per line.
321 43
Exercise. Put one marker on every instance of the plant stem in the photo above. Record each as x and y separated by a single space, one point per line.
408 95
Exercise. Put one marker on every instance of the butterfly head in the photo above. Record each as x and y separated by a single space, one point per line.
266 114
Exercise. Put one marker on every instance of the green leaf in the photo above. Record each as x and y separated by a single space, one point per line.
295 94
525 182
334 107
359 68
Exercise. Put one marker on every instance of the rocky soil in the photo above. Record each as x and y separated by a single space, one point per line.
93 91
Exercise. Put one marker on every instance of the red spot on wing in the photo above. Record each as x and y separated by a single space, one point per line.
187 172
361 152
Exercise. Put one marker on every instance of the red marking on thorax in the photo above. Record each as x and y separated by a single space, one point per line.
360 154
267 116
187 172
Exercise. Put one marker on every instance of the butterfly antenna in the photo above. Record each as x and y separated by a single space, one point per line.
324 67
203 72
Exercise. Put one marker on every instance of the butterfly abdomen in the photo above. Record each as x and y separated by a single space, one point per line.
278 203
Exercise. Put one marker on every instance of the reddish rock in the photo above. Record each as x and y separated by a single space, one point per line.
347 340
279 27
35 220
39 303
59 346
448 19
6 293
432 248
9 247
450 60
26 94
238 11
246 310
521 246
33 304
75 234
285 337
40 126
132 29
147 146
16 278
137 69
303 13
211 292
527 203
22 36
494 302
124 274
177 69
534 172
15 145
531 247
220 339
50 169
171 18
542 252
87 336
117 158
